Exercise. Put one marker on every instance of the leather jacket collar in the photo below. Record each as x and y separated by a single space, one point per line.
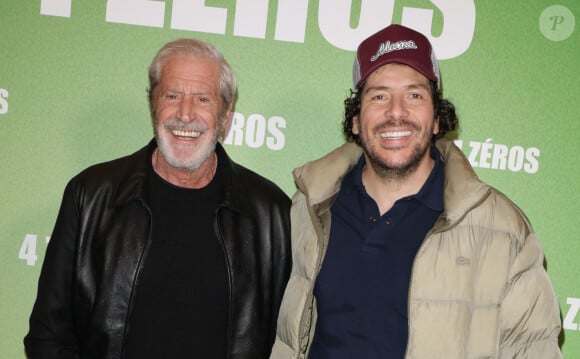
134 186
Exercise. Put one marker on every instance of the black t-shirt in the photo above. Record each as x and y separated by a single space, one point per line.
181 298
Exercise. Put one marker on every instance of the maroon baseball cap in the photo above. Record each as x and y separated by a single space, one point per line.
395 44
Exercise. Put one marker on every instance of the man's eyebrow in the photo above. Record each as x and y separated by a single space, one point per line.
419 85
376 88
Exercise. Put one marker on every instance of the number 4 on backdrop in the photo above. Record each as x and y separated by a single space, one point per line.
28 249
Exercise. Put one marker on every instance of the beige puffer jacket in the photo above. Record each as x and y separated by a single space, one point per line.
478 287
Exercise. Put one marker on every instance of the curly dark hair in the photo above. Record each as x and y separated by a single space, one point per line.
444 110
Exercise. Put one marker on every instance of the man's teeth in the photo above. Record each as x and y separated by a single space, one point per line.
395 134
182 133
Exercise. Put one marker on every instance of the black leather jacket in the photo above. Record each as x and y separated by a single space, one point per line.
101 239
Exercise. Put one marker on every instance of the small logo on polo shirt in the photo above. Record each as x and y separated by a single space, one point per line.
387 47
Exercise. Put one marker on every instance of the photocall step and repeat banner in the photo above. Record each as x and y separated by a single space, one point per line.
73 79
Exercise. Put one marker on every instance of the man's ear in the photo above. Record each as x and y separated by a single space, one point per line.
436 126
226 123
355 125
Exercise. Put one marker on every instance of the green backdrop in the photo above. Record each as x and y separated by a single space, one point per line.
73 77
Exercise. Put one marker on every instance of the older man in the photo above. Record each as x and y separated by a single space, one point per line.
174 251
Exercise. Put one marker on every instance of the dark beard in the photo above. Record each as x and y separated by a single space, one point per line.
381 168
385 171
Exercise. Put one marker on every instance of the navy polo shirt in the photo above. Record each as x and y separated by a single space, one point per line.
363 286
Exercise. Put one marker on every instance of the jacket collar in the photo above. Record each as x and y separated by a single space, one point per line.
132 184
463 190
320 180
233 194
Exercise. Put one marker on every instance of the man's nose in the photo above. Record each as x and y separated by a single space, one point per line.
186 109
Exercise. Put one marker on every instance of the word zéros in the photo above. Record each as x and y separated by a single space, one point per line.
501 157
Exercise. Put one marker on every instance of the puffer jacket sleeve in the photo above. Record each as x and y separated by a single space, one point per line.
294 319
530 316
51 333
